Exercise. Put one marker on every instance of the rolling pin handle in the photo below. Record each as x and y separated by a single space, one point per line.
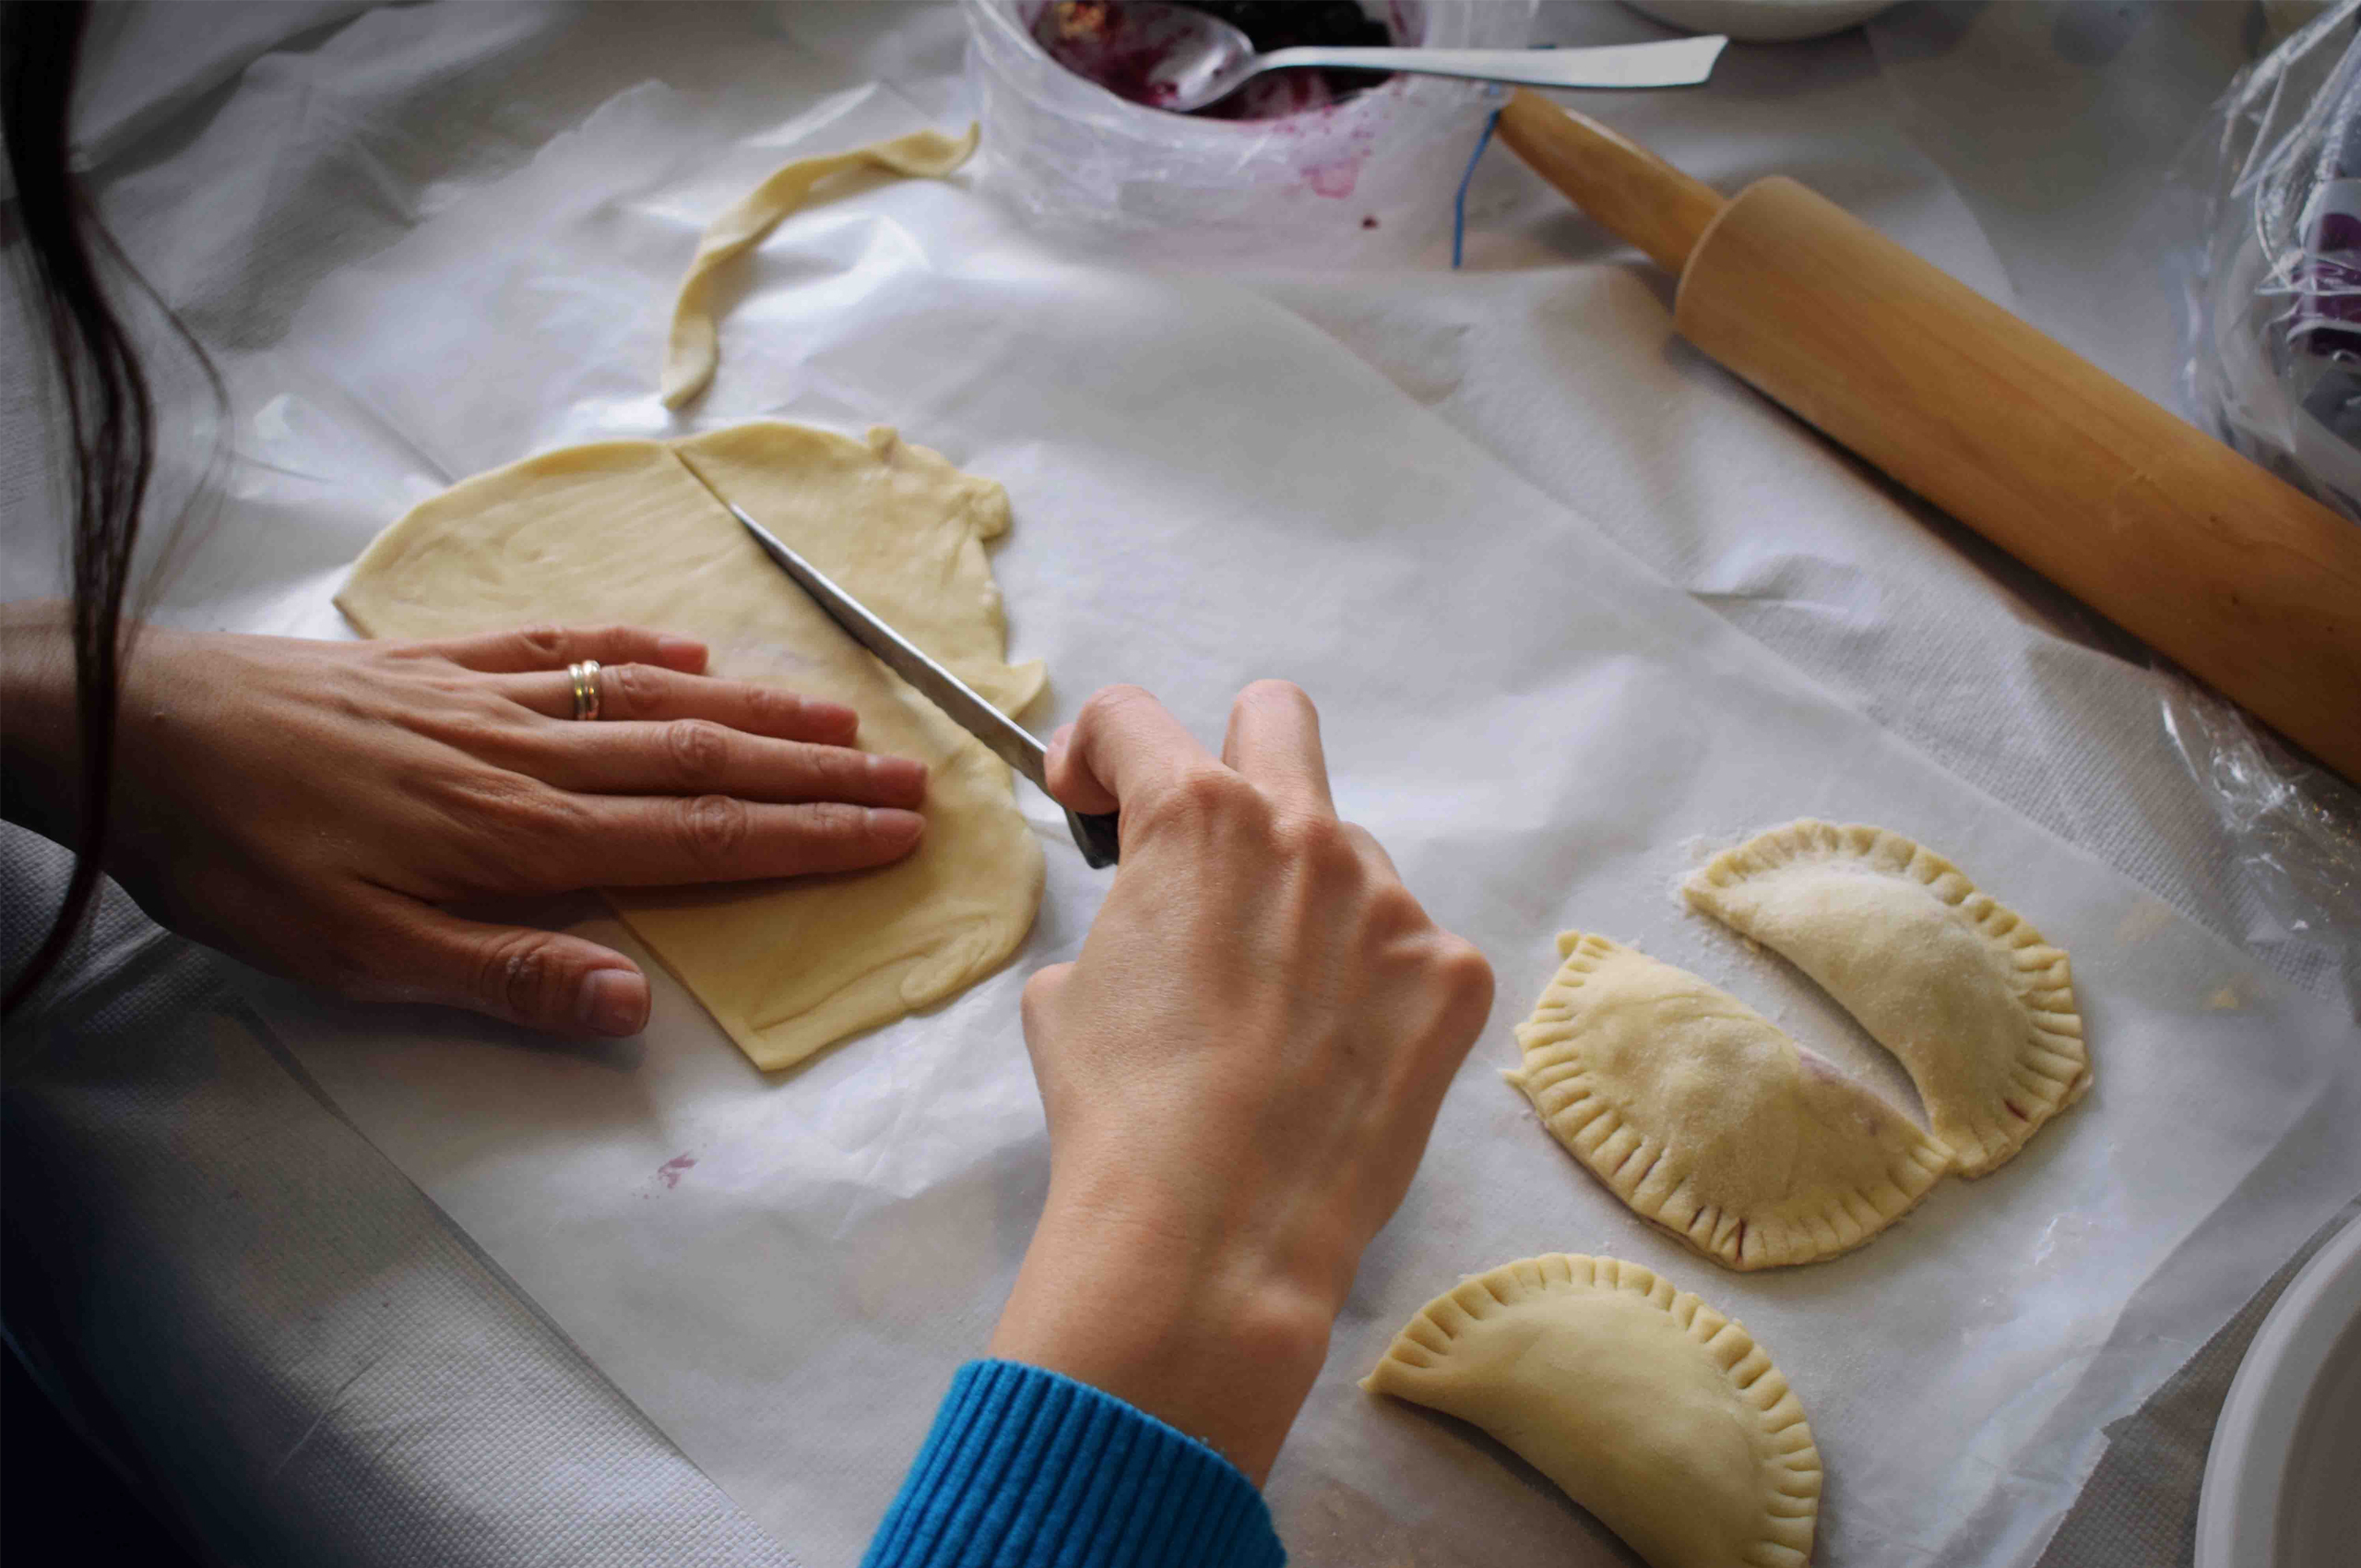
1635 195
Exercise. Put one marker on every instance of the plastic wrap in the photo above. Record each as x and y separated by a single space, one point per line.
1364 181
2274 184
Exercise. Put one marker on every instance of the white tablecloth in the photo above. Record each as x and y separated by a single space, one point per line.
2016 145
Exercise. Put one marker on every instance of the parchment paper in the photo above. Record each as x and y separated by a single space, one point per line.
784 1273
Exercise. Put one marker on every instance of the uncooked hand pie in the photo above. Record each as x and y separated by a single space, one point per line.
1698 1112
1960 988
1655 1412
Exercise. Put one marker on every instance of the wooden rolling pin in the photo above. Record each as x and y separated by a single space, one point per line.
2248 583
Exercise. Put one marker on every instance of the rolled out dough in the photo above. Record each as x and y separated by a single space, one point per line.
622 531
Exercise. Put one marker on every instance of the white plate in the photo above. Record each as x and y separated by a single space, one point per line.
2281 1481
1763 21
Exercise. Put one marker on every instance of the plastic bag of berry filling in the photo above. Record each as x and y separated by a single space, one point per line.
1301 169
2268 199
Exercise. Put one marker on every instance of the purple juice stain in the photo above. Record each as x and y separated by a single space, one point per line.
670 1171
1120 47
1333 180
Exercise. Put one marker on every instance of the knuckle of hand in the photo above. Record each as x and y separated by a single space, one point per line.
1464 970
771 710
457 709
490 803
1208 796
633 690
517 971
1107 702
837 772
482 710
1319 842
543 640
842 821
1394 908
698 750
531 809
713 828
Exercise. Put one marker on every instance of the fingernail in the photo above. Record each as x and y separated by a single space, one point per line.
901 776
679 653
833 715
890 826
612 1002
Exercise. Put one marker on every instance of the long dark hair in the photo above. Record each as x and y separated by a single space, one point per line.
108 408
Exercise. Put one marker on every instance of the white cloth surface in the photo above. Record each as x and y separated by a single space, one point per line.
265 1321
320 157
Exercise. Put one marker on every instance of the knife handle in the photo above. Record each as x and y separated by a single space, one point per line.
1094 836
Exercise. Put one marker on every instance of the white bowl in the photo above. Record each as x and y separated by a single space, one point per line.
1368 180
2283 1481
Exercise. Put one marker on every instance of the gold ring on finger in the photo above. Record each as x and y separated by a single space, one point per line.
585 676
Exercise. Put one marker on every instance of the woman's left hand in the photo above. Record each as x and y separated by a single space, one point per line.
315 808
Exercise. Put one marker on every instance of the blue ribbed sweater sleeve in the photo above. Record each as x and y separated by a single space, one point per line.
1027 1469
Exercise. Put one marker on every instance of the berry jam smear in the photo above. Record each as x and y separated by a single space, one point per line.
1117 46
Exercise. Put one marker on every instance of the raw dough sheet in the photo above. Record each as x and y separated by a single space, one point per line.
1209 489
632 533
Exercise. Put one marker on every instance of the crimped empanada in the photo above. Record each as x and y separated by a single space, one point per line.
1707 1120
1963 989
1655 1412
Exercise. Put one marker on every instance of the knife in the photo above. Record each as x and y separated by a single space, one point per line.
1094 836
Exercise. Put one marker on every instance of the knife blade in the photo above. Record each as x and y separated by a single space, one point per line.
1094 835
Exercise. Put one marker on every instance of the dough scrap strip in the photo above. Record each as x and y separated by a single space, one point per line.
693 348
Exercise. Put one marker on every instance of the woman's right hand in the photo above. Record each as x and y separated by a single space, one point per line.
1240 1072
